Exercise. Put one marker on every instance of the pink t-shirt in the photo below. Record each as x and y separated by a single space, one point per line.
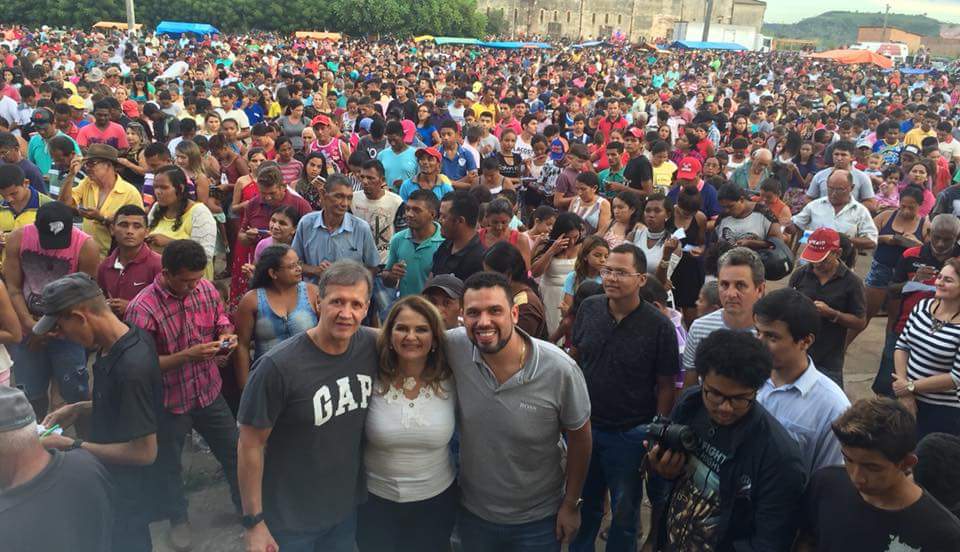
113 135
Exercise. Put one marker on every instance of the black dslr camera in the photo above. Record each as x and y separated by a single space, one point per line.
672 436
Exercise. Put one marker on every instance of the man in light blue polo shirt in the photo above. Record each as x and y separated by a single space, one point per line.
399 160
458 164
803 399
333 234
410 256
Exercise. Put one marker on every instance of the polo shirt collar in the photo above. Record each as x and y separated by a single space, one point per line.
345 226
437 236
526 372
127 340
32 203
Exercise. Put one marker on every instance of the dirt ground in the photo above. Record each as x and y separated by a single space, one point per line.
217 529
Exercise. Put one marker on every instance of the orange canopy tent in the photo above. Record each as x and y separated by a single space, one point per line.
115 25
852 57
333 37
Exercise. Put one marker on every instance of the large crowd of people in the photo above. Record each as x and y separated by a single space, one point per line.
424 298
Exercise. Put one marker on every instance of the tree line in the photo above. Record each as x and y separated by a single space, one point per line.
353 17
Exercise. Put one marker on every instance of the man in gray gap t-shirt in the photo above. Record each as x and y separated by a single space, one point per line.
512 413
301 425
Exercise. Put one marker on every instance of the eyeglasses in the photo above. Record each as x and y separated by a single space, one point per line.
717 398
293 266
617 274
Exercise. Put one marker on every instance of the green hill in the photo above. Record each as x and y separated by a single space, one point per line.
834 28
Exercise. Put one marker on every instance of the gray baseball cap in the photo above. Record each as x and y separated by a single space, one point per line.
60 295
15 409
448 283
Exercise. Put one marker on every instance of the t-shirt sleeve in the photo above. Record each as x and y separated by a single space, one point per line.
575 399
690 348
370 255
391 252
263 397
668 357
858 299
568 283
137 395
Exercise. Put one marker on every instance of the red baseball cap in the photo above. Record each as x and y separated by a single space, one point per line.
820 244
432 152
689 169
320 120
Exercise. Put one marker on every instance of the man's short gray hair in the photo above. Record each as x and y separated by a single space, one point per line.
744 256
334 180
345 272
18 440
946 221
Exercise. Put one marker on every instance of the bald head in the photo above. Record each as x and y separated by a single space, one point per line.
763 154
761 159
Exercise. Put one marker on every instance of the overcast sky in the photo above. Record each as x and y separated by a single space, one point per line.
789 11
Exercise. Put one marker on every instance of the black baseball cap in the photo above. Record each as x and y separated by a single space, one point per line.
55 225
41 117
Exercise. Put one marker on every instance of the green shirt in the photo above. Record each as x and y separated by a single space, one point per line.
606 176
418 256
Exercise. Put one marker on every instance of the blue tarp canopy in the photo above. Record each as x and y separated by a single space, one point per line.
515 45
697 45
591 44
908 71
178 28
441 40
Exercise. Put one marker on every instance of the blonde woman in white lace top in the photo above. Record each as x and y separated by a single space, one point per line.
410 472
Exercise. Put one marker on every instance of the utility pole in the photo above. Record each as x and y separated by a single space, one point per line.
131 24
885 14
706 20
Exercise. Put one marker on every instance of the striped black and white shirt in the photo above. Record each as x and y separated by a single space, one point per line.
931 353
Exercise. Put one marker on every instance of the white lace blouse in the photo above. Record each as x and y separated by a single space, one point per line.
406 453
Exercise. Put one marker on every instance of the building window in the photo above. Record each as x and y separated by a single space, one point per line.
556 15
541 16
568 16
619 19
606 19
593 19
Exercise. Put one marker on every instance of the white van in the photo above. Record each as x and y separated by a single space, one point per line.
896 51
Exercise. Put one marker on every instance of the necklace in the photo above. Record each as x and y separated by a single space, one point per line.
409 383
653 236
935 323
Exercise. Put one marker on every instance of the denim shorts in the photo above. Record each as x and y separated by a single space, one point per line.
58 359
879 276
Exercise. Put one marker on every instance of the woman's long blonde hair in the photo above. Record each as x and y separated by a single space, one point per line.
436 369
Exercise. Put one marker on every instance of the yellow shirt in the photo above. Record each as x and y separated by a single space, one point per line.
274 111
663 175
916 135
479 108
186 230
10 221
87 193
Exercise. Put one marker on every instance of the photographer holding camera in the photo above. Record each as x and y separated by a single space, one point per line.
741 487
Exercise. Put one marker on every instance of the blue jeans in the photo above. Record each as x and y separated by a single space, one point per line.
337 538
57 359
479 535
614 465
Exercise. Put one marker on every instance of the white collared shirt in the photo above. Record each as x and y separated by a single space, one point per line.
853 220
